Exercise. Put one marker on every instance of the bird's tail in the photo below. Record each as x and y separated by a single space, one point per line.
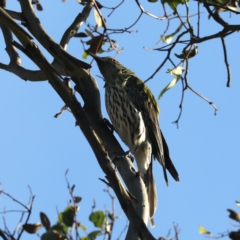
152 193
168 162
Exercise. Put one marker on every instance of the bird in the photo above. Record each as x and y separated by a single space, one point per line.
134 113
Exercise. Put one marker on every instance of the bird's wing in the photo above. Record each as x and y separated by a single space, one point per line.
142 98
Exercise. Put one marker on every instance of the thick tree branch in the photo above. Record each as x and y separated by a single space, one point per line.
77 23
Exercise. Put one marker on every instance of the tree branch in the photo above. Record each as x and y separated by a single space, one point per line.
89 119
226 62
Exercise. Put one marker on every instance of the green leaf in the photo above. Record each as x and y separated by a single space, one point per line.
60 228
110 216
97 218
67 217
169 37
162 38
98 18
174 3
82 227
202 230
177 73
31 228
81 35
48 236
89 33
84 55
186 54
101 51
93 235
60 218
152 1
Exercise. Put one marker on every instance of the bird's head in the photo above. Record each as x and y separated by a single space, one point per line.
112 70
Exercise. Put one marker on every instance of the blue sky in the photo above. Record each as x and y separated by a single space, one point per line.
36 149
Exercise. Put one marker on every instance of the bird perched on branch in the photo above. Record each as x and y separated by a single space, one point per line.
134 112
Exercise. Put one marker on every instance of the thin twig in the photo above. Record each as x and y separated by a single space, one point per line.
226 62
125 29
168 55
198 22
28 216
147 13
121 233
15 200
204 98
180 105
114 8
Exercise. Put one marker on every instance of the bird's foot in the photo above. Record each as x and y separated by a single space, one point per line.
126 154
109 125
138 174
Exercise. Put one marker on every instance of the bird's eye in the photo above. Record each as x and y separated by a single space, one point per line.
114 61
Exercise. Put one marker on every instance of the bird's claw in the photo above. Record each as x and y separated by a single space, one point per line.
109 125
138 174
126 154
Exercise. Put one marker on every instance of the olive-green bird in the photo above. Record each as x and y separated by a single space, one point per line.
134 112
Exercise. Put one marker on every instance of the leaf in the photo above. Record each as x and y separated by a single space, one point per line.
93 235
82 2
169 37
67 217
152 1
89 33
82 227
60 218
95 44
31 228
188 53
39 6
98 18
111 216
232 8
99 5
97 218
81 35
73 187
108 227
237 203
177 72
77 199
48 236
234 235
84 55
234 215
202 230
60 228
174 3
45 221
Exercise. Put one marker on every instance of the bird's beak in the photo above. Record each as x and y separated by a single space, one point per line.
96 58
